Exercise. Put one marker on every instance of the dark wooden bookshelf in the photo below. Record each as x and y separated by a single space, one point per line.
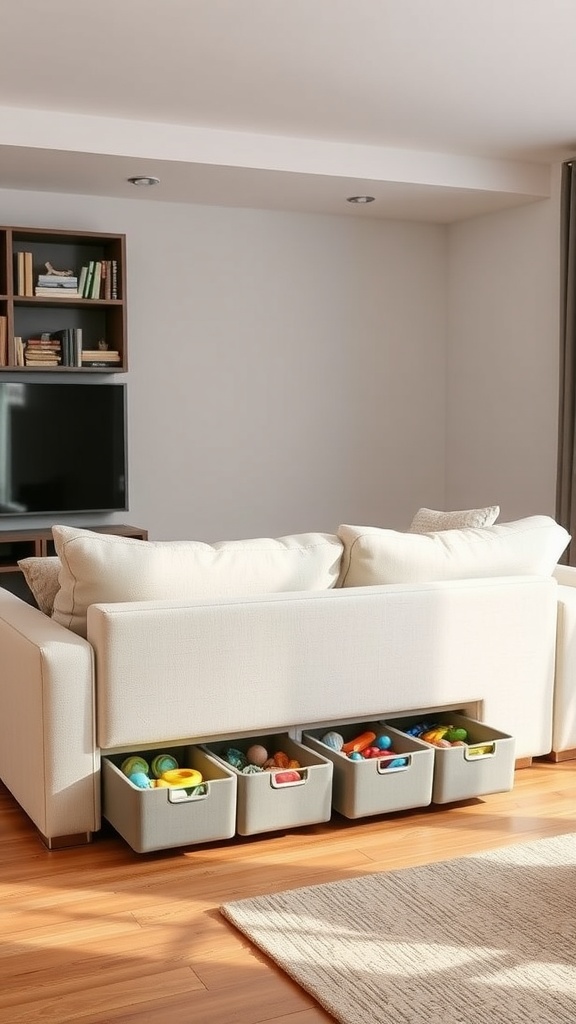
28 316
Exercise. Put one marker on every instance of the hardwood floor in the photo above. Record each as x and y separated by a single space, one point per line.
102 935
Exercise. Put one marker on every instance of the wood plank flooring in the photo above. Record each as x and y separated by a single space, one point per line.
102 935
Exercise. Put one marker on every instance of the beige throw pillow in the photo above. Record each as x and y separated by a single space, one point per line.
428 520
373 556
99 567
41 575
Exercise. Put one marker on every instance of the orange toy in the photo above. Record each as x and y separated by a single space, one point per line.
366 739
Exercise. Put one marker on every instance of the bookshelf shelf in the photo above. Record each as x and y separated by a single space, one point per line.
90 324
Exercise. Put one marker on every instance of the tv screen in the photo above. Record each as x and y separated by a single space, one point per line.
62 448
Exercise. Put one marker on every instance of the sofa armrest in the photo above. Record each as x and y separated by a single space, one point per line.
566 575
564 714
48 756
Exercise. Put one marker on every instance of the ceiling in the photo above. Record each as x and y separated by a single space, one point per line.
441 111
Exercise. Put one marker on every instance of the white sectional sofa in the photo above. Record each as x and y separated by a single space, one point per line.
176 668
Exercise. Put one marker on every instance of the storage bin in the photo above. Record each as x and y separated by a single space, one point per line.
262 804
362 788
157 819
484 765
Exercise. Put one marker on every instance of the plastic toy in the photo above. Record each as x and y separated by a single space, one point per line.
140 779
333 740
134 764
182 777
282 778
383 742
257 754
163 763
358 744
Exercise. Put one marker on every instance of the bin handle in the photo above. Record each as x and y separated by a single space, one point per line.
478 750
383 761
303 773
186 794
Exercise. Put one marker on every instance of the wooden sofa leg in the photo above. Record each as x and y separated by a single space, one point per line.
561 755
522 762
65 842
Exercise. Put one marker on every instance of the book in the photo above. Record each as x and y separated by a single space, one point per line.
95 286
114 280
28 274
18 351
19 272
105 355
3 341
96 362
82 279
88 282
58 293
56 281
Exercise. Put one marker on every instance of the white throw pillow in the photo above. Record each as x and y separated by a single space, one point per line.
373 556
428 520
41 575
99 567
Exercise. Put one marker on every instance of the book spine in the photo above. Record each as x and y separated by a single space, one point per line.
28 274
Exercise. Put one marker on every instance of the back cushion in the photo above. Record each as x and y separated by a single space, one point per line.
373 556
428 520
97 567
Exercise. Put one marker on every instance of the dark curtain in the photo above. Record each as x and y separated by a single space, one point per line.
566 476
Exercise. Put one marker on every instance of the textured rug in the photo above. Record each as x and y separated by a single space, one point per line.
485 939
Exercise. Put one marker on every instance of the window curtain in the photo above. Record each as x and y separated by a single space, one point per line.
566 474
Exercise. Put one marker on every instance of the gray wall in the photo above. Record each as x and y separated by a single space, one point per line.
287 372
503 355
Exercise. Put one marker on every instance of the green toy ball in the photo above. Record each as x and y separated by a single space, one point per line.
163 763
134 764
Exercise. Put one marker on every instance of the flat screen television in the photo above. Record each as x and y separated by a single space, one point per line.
62 448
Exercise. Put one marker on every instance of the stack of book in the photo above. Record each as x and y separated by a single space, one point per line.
70 341
100 357
99 280
56 286
43 351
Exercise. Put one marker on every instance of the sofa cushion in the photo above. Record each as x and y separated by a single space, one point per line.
41 575
375 556
428 520
99 567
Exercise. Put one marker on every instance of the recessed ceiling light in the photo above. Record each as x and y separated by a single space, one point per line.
144 180
360 199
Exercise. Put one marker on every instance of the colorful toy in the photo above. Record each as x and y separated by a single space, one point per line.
134 764
140 779
163 763
235 758
359 743
257 754
383 742
284 777
333 740
182 777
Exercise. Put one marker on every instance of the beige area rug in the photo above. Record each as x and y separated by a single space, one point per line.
485 939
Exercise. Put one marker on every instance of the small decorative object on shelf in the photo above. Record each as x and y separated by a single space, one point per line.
69 286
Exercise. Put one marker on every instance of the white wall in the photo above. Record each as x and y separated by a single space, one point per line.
287 372
503 354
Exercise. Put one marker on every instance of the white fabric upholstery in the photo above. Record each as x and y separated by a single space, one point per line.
374 556
48 753
564 722
428 520
100 567
222 667
196 670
